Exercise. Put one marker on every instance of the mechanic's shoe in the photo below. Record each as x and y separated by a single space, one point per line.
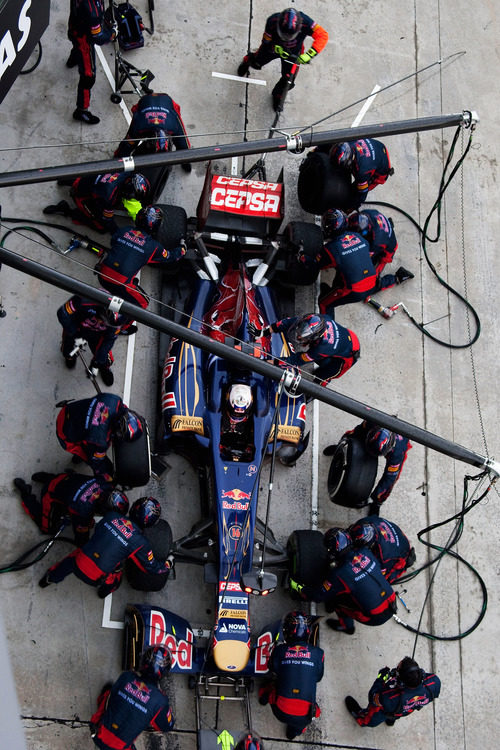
107 376
62 208
70 362
402 274
129 331
373 509
104 589
336 625
263 696
23 487
42 477
76 459
412 556
84 115
72 60
324 288
44 581
390 722
352 706
186 167
291 732
243 68
330 449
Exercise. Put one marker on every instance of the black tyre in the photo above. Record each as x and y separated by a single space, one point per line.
307 559
308 238
321 187
133 460
160 537
133 638
174 225
352 474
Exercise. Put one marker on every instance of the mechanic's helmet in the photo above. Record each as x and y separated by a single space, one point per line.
249 741
156 662
337 542
306 331
360 223
114 500
240 402
341 154
333 222
379 441
108 317
145 512
296 626
409 673
362 534
128 427
160 142
149 219
289 24
136 186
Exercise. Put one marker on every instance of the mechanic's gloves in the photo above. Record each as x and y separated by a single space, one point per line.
170 562
257 333
281 52
306 57
78 344
132 207
295 586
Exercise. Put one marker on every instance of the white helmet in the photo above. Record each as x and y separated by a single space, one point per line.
240 401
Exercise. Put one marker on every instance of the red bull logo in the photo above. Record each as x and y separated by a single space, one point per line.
181 650
236 494
234 506
124 526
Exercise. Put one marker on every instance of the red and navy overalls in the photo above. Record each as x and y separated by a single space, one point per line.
96 197
99 562
84 428
383 245
79 319
371 166
356 589
335 353
390 700
292 695
392 547
132 249
355 278
85 29
154 112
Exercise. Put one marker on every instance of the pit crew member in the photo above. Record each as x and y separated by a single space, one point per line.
367 160
387 541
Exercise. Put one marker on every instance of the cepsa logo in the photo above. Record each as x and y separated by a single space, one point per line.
246 197
8 49
181 650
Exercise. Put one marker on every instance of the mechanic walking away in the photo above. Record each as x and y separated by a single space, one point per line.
87 427
380 442
86 321
86 28
298 667
158 118
284 37
396 693
135 702
387 541
116 538
354 586
69 494
316 338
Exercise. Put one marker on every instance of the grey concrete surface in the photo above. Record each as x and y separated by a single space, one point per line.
60 653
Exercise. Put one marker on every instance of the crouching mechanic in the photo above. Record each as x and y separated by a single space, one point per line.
367 160
135 702
284 37
387 541
116 538
354 587
86 428
396 693
69 494
298 667
318 339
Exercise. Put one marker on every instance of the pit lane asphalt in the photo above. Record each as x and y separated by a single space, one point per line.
61 655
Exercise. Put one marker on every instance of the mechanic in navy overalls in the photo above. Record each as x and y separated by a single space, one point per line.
131 249
355 587
135 702
396 693
319 339
156 116
116 538
86 28
368 162
387 541
284 37
68 494
298 667
87 427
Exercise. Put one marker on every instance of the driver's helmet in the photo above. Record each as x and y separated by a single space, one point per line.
149 219
333 222
249 741
379 441
240 402
361 224
341 154
136 186
156 662
145 512
337 542
306 331
296 626
128 427
363 534
289 24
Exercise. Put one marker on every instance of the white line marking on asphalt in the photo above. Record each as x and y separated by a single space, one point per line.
366 106
106 612
234 166
241 79
109 76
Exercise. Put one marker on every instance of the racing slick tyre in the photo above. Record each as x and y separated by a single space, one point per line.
132 459
160 537
133 638
352 474
300 236
173 228
307 559
320 186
